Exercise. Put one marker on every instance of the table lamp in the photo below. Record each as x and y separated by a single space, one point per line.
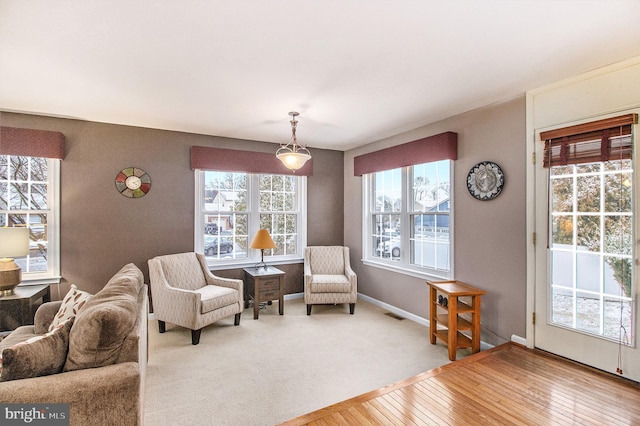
262 240
14 242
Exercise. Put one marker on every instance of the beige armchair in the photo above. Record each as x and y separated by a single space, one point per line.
328 277
184 292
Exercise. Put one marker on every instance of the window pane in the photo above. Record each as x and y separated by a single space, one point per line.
388 191
589 189
562 195
588 233
431 187
595 293
562 227
386 236
225 192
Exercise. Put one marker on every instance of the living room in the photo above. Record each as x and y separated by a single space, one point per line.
100 230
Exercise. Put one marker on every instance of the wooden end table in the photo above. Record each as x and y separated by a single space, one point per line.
19 308
447 326
264 285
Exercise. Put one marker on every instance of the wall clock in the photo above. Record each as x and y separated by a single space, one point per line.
133 182
485 181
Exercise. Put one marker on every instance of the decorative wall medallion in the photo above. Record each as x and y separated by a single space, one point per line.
133 182
485 181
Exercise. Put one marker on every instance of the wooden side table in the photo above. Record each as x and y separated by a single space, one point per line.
19 308
450 327
264 285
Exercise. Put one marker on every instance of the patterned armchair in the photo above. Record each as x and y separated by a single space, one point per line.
184 292
328 277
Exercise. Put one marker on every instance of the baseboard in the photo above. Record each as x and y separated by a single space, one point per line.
408 315
394 310
518 339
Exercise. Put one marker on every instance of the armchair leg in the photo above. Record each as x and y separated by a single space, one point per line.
195 336
237 319
162 326
352 307
309 309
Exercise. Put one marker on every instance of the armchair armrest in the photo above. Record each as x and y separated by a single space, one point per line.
164 294
44 316
215 280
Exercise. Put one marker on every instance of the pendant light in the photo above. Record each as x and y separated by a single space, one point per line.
292 155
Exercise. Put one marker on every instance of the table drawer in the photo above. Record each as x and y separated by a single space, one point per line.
270 284
268 295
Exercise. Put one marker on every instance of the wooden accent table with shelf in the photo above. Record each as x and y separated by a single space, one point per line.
264 285
448 326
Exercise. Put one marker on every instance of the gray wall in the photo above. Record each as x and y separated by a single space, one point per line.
101 230
490 236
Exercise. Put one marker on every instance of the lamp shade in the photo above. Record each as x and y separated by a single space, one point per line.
14 242
262 240
293 160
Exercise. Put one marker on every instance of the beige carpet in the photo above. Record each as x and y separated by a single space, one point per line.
269 370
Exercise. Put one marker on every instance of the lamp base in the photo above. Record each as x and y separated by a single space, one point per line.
10 276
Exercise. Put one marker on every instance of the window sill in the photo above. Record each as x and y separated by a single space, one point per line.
250 263
43 280
406 271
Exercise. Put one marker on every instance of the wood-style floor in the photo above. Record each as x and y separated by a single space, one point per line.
506 385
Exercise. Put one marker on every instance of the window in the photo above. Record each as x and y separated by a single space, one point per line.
418 195
232 206
591 227
29 196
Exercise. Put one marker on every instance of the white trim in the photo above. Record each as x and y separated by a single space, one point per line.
400 312
530 217
408 315
518 339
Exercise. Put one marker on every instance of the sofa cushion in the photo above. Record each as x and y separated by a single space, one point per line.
38 356
71 304
104 322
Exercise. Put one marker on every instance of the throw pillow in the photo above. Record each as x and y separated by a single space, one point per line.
38 356
71 305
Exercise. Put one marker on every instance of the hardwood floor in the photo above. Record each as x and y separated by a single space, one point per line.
506 385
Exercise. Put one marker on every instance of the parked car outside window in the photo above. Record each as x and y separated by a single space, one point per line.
214 245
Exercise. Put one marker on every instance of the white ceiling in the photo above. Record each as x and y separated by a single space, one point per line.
356 70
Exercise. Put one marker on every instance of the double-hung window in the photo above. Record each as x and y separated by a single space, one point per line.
418 196
407 206
231 206
29 197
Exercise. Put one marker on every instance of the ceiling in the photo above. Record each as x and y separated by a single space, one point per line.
356 70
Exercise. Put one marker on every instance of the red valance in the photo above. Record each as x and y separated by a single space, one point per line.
433 148
31 142
231 160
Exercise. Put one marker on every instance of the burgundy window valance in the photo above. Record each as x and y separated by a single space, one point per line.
601 140
31 142
433 148
231 160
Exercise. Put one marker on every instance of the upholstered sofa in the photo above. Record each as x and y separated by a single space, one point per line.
104 365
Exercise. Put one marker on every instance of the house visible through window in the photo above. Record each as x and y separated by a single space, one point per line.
29 195
407 223
232 206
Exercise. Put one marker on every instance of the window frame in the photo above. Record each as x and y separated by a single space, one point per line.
403 265
52 274
253 213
